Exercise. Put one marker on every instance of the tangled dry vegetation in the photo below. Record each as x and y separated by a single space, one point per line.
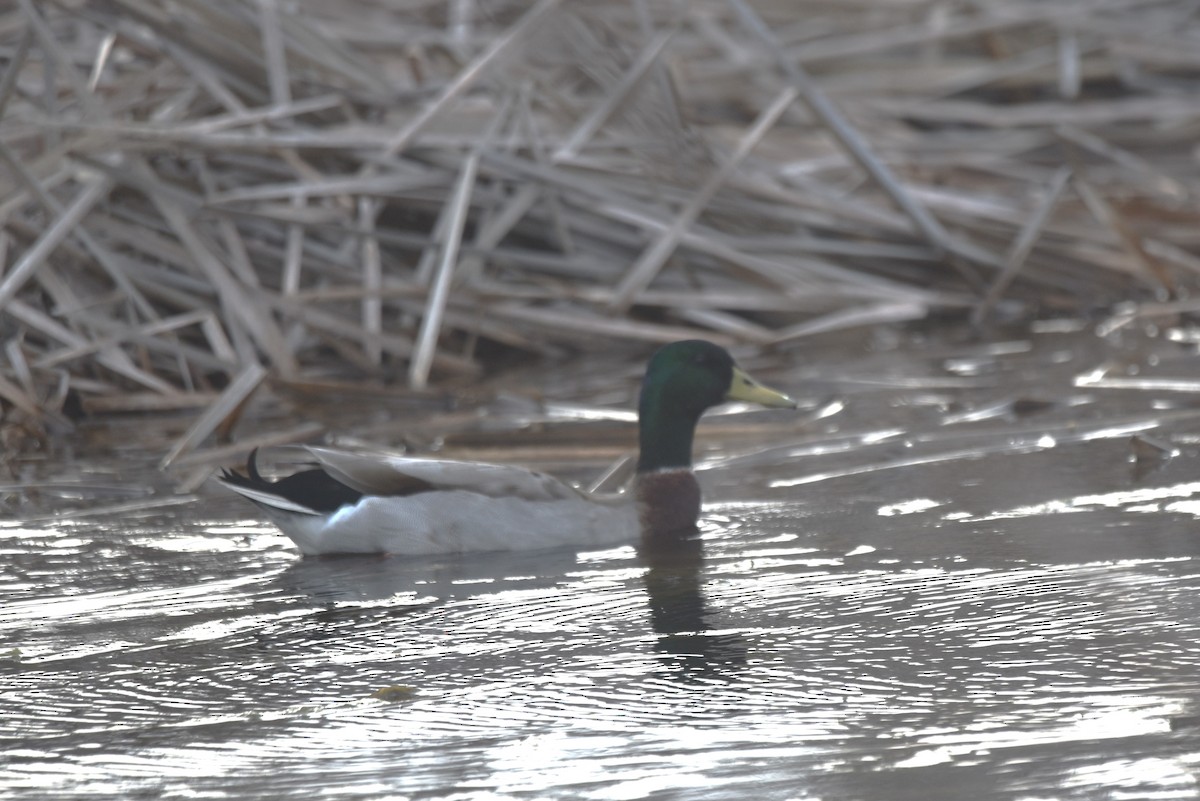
201 194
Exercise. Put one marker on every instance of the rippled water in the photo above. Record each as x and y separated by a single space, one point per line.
950 580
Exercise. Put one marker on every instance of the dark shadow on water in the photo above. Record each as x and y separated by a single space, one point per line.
370 578
679 611
356 593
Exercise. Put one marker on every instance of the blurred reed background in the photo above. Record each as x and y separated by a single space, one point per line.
200 196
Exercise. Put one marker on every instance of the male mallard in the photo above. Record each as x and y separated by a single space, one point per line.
384 503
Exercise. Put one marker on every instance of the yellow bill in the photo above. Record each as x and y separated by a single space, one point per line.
746 389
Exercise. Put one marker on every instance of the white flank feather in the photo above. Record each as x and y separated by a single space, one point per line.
458 521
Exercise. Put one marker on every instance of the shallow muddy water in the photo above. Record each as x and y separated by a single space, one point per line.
948 577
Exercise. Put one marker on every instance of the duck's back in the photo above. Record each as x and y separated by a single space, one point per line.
388 503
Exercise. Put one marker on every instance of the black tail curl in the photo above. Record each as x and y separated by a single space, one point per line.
313 488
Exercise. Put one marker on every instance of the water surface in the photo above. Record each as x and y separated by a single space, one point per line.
948 578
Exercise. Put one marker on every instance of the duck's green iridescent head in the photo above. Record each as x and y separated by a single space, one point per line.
682 380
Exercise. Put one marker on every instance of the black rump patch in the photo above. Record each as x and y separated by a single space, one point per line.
314 489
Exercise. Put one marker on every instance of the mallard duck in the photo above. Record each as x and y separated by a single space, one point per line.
364 502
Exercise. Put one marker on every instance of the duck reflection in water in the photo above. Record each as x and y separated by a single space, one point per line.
352 591
679 612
